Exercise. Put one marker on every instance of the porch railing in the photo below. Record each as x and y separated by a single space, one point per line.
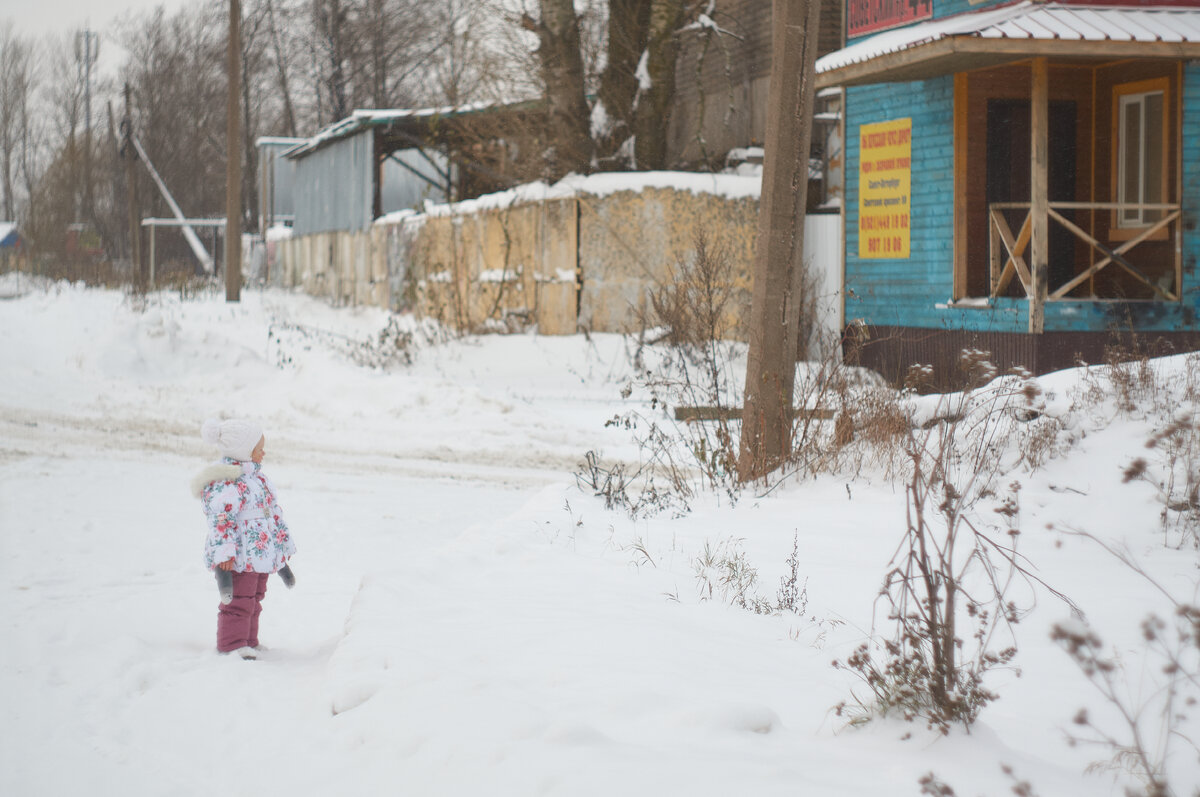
1007 251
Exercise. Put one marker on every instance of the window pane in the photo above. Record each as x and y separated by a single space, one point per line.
1131 160
1153 149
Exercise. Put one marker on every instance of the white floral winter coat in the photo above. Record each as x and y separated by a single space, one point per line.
245 522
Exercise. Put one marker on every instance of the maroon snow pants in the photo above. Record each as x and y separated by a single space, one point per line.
237 621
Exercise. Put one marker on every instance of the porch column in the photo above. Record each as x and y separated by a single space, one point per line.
1039 107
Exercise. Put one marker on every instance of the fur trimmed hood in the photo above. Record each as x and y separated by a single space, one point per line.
217 472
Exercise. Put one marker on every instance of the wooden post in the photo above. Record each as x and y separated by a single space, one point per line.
233 159
778 260
1039 188
152 227
135 229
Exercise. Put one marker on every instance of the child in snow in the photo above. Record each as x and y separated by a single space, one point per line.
247 538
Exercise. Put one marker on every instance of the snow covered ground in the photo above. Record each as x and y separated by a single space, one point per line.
466 621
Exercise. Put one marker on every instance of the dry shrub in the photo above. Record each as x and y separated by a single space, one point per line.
1139 388
1153 705
949 595
685 360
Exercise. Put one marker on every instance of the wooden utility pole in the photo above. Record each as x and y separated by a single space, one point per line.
129 152
233 160
778 259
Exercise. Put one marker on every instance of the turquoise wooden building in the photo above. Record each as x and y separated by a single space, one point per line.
1022 178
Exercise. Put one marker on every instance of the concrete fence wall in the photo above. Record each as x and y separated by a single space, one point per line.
582 262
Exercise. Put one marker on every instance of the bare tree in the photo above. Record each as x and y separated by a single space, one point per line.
397 39
562 74
332 42
16 87
466 62
176 70
657 89
281 63
612 119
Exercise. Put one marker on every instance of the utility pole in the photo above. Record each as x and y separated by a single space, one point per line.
129 153
87 50
233 160
778 259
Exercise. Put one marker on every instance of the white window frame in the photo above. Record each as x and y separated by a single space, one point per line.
1132 218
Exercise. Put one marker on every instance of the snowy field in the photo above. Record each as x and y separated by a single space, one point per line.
466 621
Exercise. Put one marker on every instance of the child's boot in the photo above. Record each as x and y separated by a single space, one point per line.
289 578
225 585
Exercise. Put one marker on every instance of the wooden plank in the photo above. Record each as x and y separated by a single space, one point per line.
959 53
1111 255
994 244
1039 104
691 414
1079 48
1015 248
1114 205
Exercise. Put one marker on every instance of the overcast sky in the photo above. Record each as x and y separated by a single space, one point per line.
39 18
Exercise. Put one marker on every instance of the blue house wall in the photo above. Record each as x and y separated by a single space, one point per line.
917 291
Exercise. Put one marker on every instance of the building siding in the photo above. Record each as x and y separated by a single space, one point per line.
1191 194
916 292
893 291
334 187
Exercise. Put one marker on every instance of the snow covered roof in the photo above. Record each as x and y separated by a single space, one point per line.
278 141
8 229
363 118
1013 31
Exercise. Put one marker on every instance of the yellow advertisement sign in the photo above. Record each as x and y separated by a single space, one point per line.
884 186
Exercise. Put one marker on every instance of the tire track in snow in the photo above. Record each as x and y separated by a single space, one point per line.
25 433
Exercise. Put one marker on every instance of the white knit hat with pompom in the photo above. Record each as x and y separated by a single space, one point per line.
235 438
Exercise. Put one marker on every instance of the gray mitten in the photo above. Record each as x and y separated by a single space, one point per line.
289 578
225 585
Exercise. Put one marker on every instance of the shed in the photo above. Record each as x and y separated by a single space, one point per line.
1022 178
378 161
276 181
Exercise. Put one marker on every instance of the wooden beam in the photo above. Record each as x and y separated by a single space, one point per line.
1039 104
959 53
994 244
960 186
703 413
1113 255
1015 248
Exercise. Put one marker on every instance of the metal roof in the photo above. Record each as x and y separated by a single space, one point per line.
1030 22
364 118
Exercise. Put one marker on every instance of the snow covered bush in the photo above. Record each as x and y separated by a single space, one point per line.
394 345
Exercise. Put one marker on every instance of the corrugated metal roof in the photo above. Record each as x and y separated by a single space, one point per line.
1031 21
363 118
